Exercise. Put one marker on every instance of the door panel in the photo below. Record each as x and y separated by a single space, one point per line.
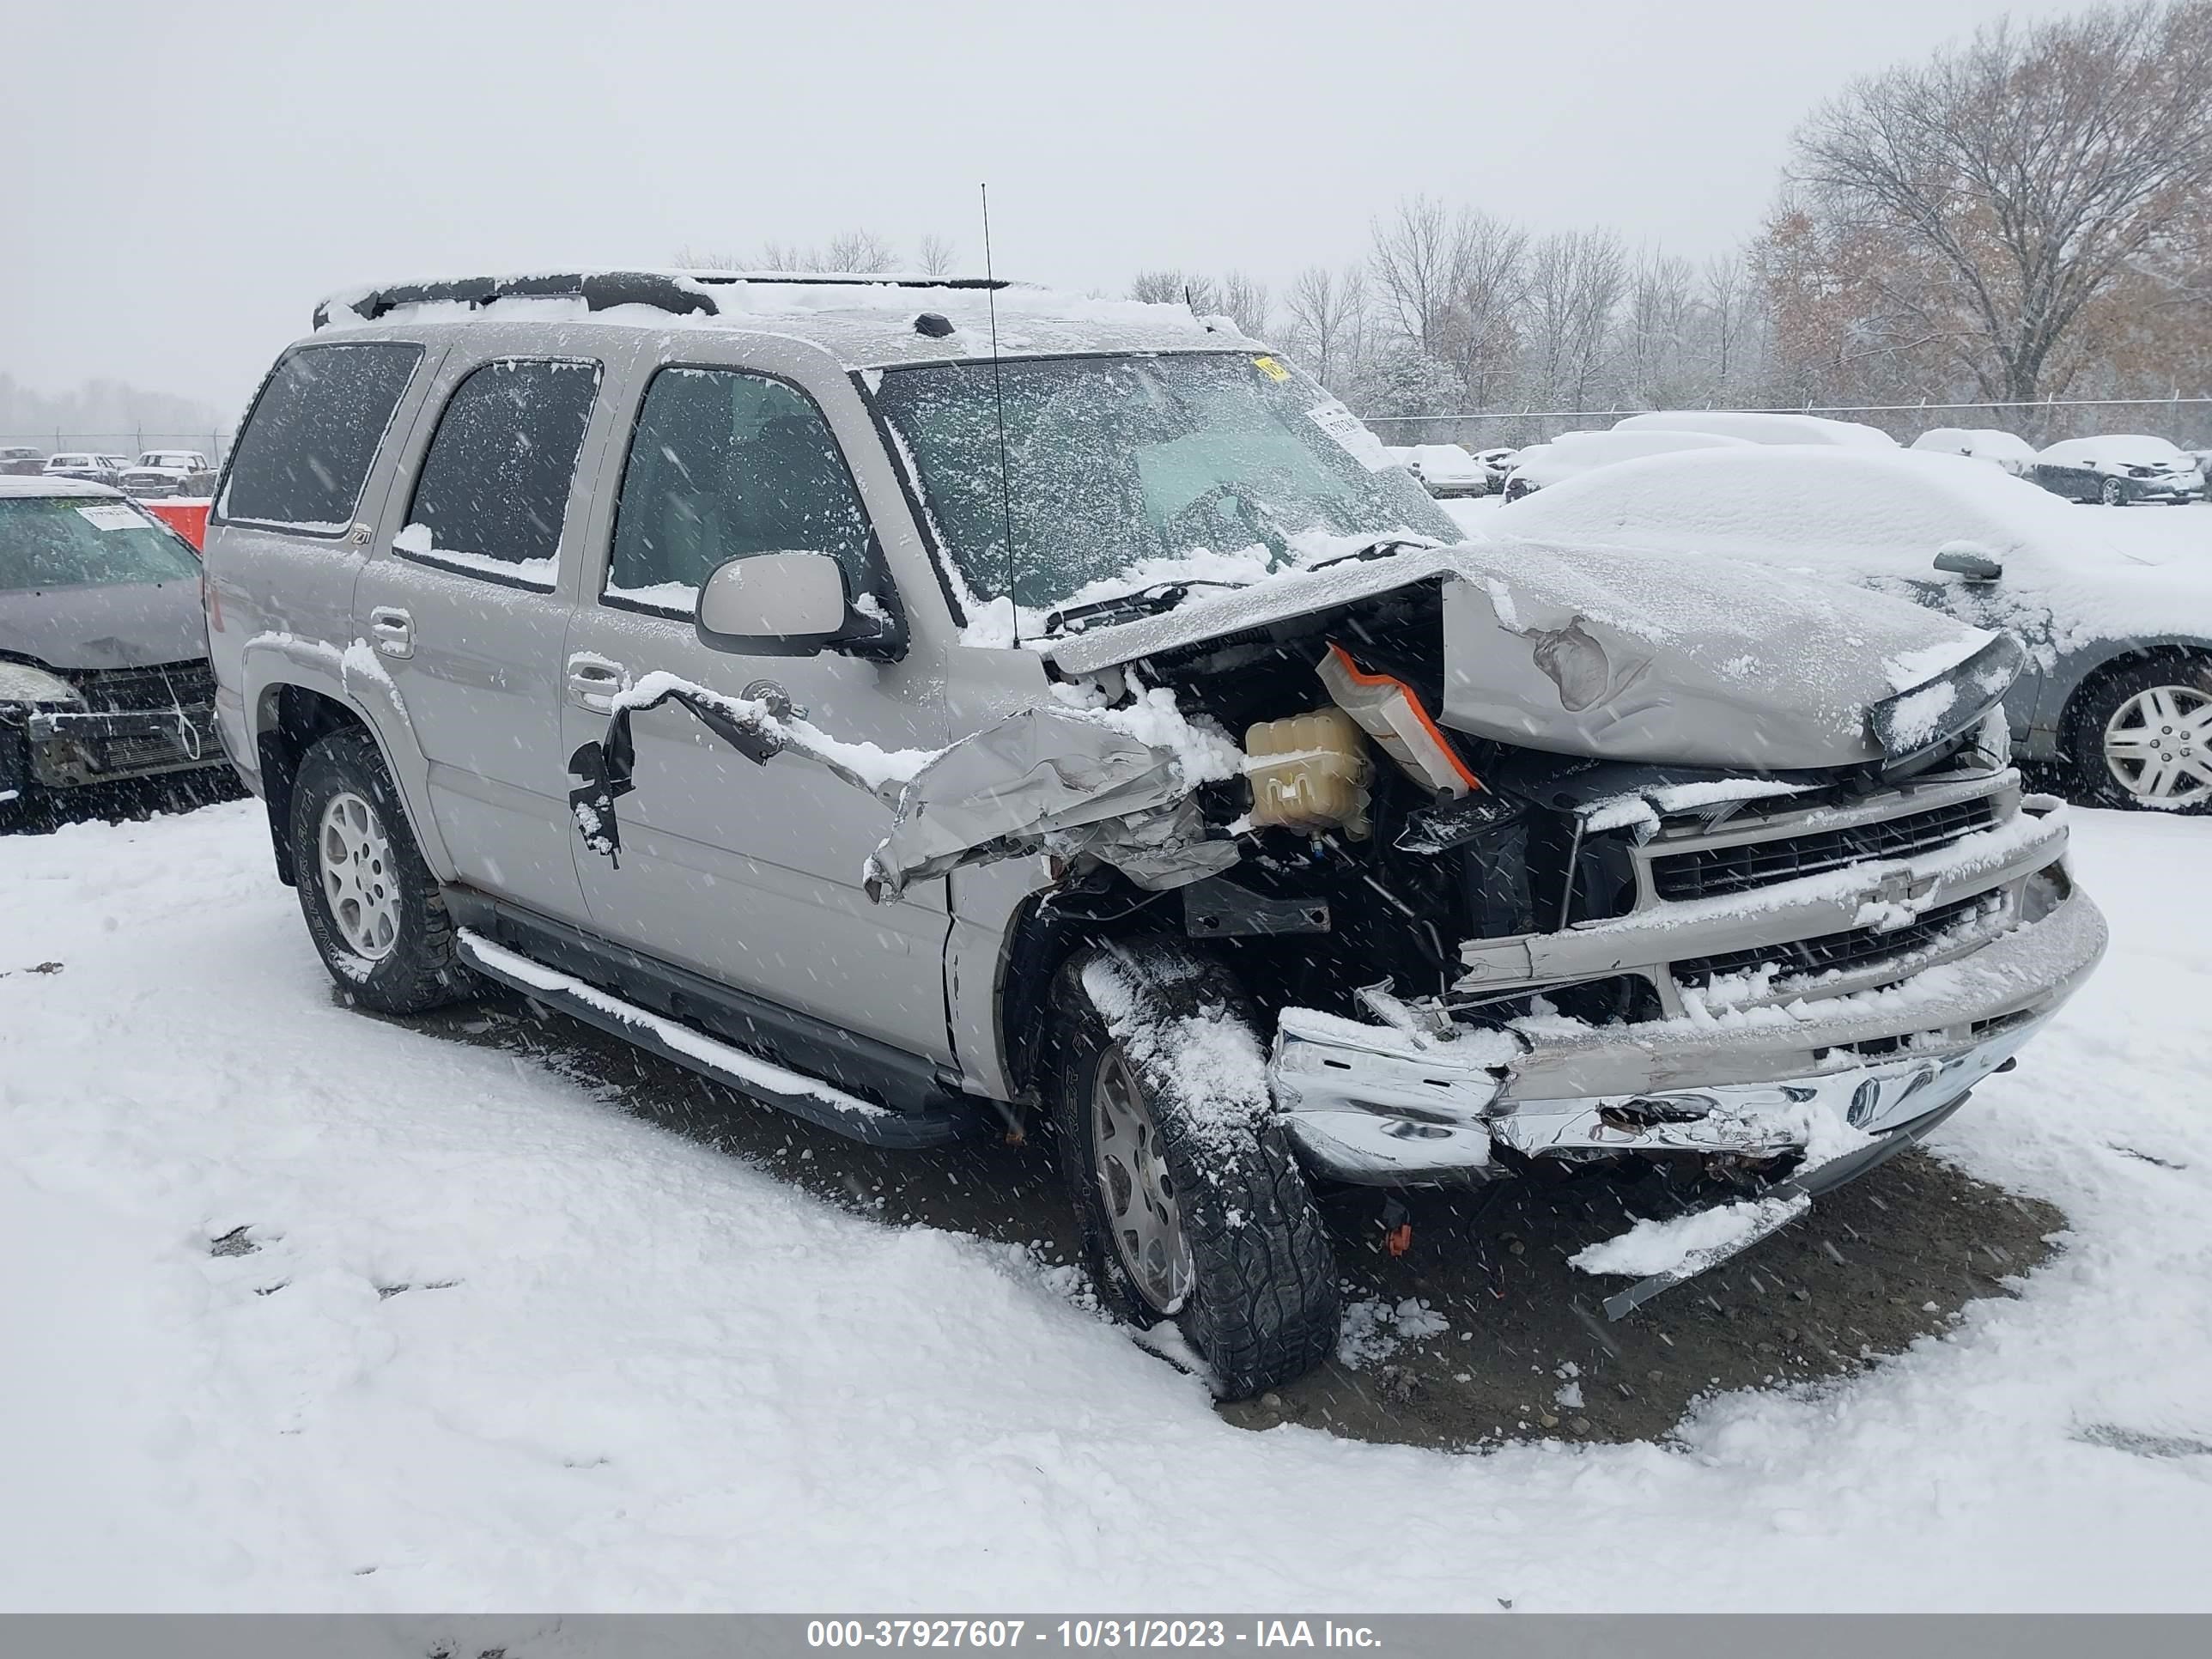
751 873
466 606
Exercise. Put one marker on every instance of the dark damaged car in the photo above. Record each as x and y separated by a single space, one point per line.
104 673
1096 734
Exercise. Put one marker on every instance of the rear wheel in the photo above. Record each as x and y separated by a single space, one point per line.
2114 493
372 905
2142 736
1191 1204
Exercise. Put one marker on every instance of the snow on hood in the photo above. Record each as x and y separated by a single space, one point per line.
2073 577
2119 449
1690 661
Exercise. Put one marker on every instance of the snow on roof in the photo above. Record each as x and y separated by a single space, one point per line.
2116 448
1760 428
1570 452
1985 443
864 321
13 486
1879 520
1443 463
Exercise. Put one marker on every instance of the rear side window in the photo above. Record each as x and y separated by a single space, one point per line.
725 462
313 434
495 485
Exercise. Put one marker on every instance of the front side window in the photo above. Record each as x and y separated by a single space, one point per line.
495 484
305 454
68 542
722 463
1121 471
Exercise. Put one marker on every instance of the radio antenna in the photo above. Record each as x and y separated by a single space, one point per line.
998 398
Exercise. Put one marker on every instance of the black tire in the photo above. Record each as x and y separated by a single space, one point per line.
2112 493
1261 1306
2093 710
420 969
17 792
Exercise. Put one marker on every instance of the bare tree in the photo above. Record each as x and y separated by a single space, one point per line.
1656 368
1728 325
1977 208
1176 288
1576 278
936 256
1418 258
1328 315
1245 300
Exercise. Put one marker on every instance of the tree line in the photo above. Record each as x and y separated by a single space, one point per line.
2025 216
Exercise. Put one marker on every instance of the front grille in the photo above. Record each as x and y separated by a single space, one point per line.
129 690
1861 947
1707 871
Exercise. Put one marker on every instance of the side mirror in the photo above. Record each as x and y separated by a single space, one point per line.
1970 562
774 605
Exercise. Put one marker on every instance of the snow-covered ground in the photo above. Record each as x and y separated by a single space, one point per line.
627 1371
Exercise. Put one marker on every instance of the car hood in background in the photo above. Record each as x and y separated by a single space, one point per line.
1685 659
76 627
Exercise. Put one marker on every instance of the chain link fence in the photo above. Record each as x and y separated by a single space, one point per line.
2186 422
129 445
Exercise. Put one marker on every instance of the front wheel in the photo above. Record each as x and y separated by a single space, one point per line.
2142 736
372 905
1191 1205
2114 493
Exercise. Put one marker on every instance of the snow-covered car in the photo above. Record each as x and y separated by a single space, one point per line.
1761 427
2000 449
1108 738
1541 466
1446 471
161 472
103 649
1495 462
22 460
81 465
2119 471
2118 681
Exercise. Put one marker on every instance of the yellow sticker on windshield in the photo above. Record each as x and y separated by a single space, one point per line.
1271 368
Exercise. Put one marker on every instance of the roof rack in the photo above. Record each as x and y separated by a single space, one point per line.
677 293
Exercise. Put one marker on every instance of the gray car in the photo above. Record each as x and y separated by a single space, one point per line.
1105 739
2117 692
103 647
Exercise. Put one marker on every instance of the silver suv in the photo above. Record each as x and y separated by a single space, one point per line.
932 706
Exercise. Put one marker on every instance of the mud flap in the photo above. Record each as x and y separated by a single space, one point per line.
1779 1204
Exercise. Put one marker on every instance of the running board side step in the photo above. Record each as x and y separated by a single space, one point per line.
747 1074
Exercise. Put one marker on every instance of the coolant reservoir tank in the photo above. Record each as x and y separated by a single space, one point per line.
1309 772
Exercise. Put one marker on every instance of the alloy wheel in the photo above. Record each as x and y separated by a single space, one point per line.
358 885
2158 745
1135 1186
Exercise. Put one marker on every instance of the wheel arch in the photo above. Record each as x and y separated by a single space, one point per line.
2115 658
287 716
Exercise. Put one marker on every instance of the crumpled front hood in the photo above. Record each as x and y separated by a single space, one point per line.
1678 659
69 628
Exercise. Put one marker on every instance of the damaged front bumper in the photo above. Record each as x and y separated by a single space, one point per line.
70 748
1381 1107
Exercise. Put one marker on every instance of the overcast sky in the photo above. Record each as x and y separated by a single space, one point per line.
185 178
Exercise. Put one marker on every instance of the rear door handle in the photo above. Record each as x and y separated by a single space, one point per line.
394 630
593 681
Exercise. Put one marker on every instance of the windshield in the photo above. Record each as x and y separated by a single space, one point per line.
49 543
1127 471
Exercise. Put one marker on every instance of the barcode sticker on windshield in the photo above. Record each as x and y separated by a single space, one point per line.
1341 425
112 516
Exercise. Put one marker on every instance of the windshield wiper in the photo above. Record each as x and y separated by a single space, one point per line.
1141 602
1382 547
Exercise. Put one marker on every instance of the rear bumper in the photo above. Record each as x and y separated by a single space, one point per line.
1377 1107
68 750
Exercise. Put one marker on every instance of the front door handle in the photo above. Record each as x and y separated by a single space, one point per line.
394 630
593 681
